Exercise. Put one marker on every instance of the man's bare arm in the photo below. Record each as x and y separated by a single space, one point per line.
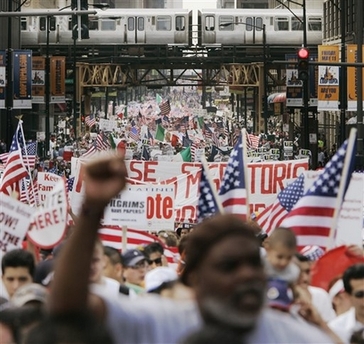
104 179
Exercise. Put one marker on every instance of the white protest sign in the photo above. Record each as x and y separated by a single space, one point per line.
14 223
144 207
128 208
351 215
105 124
49 223
46 183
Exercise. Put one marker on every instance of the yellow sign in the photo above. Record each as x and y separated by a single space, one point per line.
351 54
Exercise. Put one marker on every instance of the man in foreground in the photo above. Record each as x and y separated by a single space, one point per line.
228 281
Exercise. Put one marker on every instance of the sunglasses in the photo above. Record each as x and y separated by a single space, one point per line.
155 261
359 294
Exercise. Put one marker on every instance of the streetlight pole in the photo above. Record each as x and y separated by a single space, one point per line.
359 80
47 91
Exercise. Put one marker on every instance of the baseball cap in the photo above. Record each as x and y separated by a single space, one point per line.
312 252
156 277
279 294
29 292
337 288
132 257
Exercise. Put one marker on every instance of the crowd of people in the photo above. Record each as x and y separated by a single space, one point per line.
232 284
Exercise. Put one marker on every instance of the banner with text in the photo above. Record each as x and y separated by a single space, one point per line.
2 79
22 76
38 80
58 79
328 79
351 55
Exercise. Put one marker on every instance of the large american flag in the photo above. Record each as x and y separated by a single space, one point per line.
14 169
207 204
233 194
102 142
252 141
29 156
313 216
272 216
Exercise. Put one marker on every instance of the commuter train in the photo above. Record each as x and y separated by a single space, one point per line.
176 28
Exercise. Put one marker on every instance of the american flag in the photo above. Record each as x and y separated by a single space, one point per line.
28 158
69 184
207 203
233 193
102 142
134 133
272 216
165 108
29 192
313 216
14 169
252 141
90 120
112 236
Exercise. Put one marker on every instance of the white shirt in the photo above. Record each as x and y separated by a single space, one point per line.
345 325
321 301
107 288
154 319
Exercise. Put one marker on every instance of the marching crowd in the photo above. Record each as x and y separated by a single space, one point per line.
231 284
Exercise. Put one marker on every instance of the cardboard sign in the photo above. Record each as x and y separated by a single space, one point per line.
48 224
14 223
46 183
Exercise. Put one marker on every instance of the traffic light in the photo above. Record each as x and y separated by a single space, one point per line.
78 109
84 20
303 66
69 107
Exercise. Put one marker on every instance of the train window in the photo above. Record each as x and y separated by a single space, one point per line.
52 24
210 23
314 24
249 22
224 21
108 25
131 26
297 24
42 23
23 23
163 23
281 24
140 24
259 24
93 23
180 23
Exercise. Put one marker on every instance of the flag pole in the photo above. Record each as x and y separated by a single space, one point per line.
341 192
246 171
20 123
212 187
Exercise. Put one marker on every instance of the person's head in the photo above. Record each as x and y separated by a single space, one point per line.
304 264
168 238
160 278
154 254
135 266
17 268
224 267
353 279
97 263
281 247
113 267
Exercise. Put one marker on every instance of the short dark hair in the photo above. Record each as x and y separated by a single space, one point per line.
353 272
210 232
113 254
153 247
18 258
302 258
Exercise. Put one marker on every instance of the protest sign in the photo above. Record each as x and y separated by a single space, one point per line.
46 183
48 224
14 223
